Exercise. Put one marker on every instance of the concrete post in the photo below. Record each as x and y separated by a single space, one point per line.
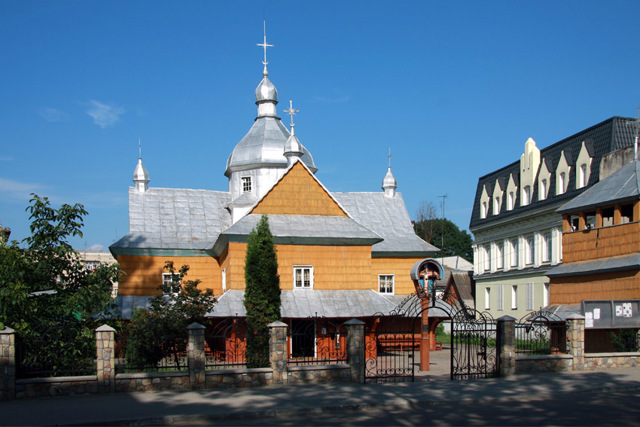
278 351
7 364
356 349
506 350
196 356
575 340
106 358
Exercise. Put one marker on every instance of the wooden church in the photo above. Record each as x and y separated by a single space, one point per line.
340 255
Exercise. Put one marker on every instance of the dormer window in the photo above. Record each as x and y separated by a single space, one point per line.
246 184
483 210
510 201
526 195
562 183
582 176
496 206
543 189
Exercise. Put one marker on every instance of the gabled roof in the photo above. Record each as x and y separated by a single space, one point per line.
301 229
387 217
621 186
174 219
608 136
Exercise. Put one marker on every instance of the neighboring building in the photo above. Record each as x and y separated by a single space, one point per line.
600 274
340 255
518 233
92 259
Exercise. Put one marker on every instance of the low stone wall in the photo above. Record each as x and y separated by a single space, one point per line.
319 374
598 361
152 381
58 386
229 378
544 363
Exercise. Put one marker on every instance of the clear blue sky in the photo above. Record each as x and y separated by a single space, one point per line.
454 88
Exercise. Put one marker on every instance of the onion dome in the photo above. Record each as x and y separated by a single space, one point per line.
293 148
266 91
389 184
141 177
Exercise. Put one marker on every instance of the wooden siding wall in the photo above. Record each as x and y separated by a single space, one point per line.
400 267
617 285
623 239
298 193
144 273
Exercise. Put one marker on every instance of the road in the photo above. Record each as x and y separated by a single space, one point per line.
588 409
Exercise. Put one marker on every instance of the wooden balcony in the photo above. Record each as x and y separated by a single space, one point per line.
603 242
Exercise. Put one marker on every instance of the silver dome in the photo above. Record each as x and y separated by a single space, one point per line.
266 91
264 146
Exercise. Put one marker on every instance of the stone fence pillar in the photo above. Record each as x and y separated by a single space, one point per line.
506 350
106 358
278 351
356 349
575 340
196 356
7 364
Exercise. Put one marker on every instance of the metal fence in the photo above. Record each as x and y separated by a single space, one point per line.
229 344
539 333
140 355
57 352
317 341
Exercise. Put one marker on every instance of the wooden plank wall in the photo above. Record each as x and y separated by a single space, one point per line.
144 273
617 285
623 239
298 193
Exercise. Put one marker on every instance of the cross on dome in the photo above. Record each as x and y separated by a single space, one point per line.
265 45
291 111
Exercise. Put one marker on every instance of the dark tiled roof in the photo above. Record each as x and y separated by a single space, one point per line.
611 135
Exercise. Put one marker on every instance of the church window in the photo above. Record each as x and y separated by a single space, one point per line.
303 277
500 298
246 184
514 297
168 279
385 283
514 253
499 256
487 298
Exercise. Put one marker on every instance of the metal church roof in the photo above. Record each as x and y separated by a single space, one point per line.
174 219
299 304
621 186
302 229
387 217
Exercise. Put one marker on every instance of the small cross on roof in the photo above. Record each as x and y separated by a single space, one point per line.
291 111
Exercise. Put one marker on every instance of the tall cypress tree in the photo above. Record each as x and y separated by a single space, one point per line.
262 292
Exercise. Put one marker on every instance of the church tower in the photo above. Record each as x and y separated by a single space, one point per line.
258 160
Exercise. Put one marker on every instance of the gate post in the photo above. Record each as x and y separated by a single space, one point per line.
278 351
196 357
106 358
575 340
7 364
356 349
506 346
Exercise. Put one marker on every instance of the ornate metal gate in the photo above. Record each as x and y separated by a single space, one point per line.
473 345
390 350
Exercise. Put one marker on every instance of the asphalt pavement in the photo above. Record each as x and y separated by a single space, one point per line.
216 406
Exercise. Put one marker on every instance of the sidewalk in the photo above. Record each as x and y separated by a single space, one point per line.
218 405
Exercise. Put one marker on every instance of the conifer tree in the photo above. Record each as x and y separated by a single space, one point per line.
262 292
